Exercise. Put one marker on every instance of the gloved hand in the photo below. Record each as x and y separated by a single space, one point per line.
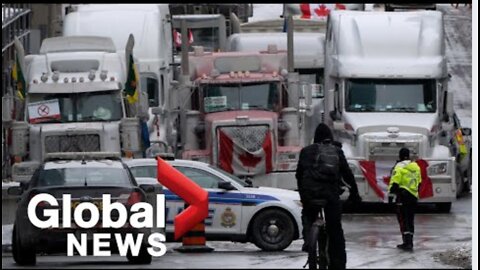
354 198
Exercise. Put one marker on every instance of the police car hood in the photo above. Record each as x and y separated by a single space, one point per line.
275 192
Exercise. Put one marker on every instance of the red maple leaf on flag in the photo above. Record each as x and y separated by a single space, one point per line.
322 10
249 160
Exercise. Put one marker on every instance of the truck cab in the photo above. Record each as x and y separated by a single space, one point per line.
387 89
153 52
74 102
239 115
309 62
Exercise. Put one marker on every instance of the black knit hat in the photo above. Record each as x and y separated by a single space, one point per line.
322 133
404 154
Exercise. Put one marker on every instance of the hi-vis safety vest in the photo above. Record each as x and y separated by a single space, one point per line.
407 175
461 144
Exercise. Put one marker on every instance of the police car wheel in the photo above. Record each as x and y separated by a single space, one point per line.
21 254
272 230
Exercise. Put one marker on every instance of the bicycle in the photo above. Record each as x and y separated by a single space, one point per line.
317 237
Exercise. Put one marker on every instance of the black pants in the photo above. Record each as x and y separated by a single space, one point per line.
406 204
336 239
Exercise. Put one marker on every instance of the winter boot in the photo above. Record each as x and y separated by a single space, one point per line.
400 246
408 244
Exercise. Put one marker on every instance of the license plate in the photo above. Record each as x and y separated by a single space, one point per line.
98 204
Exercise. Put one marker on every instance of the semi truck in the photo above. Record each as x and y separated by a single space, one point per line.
386 87
151 26
241 111
241 11
308 51
73 102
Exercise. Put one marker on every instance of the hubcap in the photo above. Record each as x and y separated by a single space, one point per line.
273 230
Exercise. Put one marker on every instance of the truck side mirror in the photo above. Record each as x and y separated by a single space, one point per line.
466 131
449 104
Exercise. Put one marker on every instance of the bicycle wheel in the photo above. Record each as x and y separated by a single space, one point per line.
317 248
322 248
312 247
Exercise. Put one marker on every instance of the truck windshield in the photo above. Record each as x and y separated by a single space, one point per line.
208 38
229 97
391 95
77 107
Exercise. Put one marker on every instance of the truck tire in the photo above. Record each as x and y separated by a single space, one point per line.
143 256
272 230
21 254
444 207
460 181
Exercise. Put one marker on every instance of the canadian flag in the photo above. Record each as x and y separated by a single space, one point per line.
177 37
234 158
318 11
378 173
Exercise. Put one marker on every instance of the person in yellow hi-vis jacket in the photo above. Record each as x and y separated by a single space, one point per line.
462 149
405 182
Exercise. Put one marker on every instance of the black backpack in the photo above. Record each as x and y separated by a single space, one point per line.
327 162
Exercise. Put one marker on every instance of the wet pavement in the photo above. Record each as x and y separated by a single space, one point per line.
371 239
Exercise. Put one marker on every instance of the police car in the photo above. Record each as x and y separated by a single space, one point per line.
268 217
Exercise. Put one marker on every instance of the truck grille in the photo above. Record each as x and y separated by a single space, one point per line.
72 143
250 137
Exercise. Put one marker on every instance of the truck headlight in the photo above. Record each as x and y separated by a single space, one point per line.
439 168
287 157
287 161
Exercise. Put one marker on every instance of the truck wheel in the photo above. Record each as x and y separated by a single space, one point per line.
143 256
444 207
272 230
21 254
459 181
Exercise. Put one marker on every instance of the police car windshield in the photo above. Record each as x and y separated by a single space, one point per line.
391 95
79 107
231 176
79 176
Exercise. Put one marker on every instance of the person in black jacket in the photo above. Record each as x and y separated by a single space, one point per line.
311 187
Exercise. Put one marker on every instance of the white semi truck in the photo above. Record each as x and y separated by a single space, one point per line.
386 87
74 102
151 26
